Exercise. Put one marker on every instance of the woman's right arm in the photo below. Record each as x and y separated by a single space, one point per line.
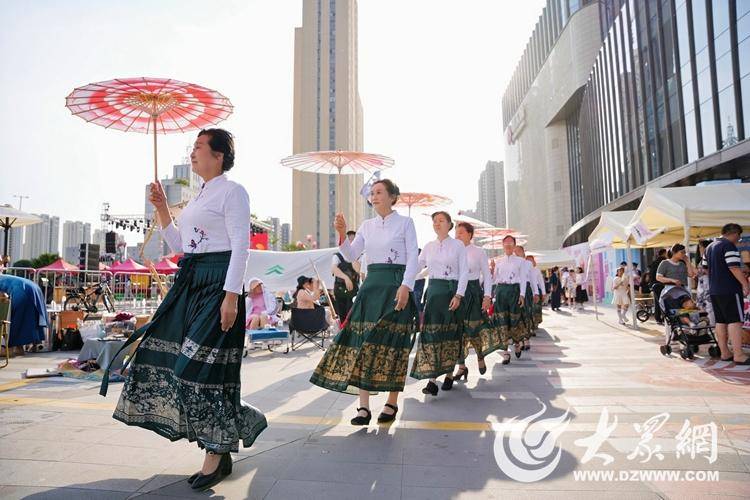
168 230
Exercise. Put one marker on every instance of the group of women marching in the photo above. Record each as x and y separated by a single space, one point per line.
184 380
371 352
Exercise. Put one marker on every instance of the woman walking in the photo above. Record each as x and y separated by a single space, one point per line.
439 347
582 295
510 279
530 295
477 329
570 288
621 298
371 352
555 289
185 379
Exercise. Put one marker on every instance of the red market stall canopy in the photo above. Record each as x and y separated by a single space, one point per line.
166 266
59 265
129 266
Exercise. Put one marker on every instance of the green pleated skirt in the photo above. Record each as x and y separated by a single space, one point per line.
507 315
527 312
439 346
478 331
184 381
537 313
371 352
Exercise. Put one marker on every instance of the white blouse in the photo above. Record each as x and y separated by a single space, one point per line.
446 260
538 283
511 269
478 265
386 240
216 220
528 274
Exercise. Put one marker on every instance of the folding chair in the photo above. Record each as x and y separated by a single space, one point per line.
311 325
5 327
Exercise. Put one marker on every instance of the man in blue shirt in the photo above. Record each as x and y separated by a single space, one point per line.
727 286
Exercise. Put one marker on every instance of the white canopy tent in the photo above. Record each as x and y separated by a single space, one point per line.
689 214
613 231
546 259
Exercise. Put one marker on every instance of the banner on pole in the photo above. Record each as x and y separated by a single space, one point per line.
279 270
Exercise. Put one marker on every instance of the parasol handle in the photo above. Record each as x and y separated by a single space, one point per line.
325 290
156 173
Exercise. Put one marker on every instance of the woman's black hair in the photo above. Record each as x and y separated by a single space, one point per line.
390 186
677 247
468 227
511 237
445 214
221 141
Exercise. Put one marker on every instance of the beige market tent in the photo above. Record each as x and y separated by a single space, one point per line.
689 214
546 259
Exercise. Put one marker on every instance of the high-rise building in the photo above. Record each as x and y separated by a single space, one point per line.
275 234
327 116
286 234
667 103
541 98
15 240
491 204
42 237
627 95
181 187
74 233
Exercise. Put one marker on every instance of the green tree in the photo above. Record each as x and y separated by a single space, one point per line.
44 260
23 263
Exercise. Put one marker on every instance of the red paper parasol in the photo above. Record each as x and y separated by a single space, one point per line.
338 162
149 105
421 200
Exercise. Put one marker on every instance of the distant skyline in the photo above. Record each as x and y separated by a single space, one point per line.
431 76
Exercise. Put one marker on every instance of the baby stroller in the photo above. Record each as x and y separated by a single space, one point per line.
689 337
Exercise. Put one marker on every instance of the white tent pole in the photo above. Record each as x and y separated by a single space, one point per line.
631 281
687 255
589 268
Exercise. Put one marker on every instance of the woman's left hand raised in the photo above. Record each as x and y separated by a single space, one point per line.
228 311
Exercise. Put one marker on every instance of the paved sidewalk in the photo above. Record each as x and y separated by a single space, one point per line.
59 441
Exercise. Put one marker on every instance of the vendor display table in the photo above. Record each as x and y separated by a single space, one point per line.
103 351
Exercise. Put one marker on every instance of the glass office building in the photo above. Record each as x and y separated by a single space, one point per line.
667 103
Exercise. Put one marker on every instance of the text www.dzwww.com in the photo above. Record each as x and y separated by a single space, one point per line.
646 475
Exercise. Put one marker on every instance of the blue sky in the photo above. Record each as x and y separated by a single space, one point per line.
431 77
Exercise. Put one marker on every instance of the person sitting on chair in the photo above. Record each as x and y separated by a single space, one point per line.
261 306
307 295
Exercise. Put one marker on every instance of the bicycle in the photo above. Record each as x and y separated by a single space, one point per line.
86 299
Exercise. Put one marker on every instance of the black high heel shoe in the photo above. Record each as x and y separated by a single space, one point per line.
385 418
430 388
482 369
463 372
447 383
506 358
519 351
205 481
360 420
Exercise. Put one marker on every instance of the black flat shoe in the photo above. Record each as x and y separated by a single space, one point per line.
360 420
463 372
518 353
482 369
729 359
742 363
385 418
193 477
447 383
506 358
430 388
205 481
